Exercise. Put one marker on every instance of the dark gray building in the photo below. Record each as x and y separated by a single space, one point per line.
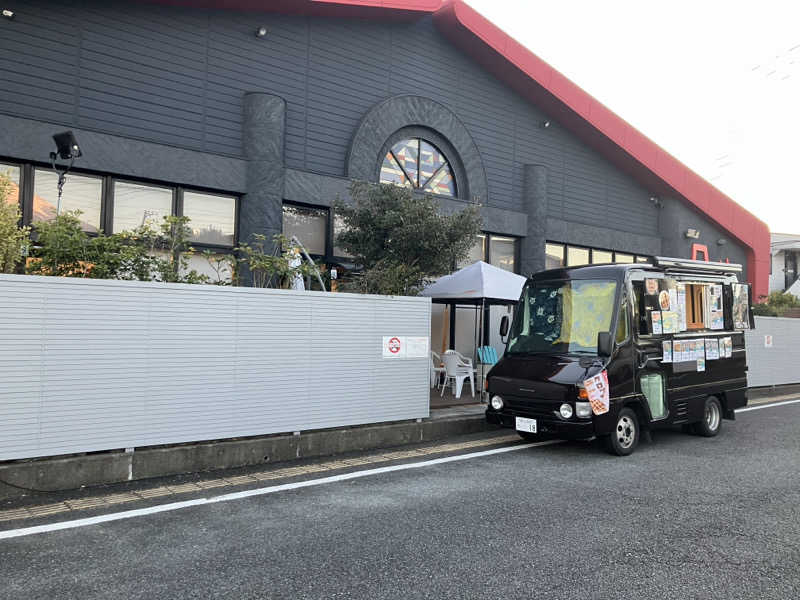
253 118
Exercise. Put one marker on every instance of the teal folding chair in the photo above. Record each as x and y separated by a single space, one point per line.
487 355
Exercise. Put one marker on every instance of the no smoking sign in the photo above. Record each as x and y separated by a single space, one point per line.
394 346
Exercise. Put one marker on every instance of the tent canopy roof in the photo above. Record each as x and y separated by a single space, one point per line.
478 283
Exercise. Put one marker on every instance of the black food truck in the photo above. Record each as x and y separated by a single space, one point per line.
612 350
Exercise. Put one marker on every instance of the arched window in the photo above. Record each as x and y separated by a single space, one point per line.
418 164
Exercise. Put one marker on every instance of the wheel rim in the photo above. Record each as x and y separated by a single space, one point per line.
712 416
626 431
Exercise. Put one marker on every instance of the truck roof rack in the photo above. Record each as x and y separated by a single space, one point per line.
685 264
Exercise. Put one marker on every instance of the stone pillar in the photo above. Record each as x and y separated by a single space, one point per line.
534 202
263 138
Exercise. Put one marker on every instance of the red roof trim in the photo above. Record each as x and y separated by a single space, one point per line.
537 81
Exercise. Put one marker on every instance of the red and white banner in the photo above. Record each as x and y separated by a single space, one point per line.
597 389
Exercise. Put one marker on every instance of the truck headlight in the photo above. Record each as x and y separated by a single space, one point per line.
565 411
497 403
583 409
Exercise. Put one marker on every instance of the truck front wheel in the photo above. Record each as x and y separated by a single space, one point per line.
625 437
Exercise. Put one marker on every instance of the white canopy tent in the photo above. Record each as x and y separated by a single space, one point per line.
477 285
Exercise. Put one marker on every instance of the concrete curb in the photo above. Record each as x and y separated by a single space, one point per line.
59 474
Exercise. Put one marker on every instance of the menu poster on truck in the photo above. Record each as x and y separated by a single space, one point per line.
656 316
715 314
597 390
667 351
669 321
681 290
712 349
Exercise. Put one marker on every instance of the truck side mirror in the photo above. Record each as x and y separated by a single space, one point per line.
504 326
605 343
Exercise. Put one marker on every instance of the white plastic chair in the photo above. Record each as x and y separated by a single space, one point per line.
467 362
457 371
436 370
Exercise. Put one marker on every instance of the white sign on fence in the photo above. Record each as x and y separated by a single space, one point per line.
394 346
417 347
400 346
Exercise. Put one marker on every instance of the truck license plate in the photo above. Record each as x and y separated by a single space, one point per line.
528 425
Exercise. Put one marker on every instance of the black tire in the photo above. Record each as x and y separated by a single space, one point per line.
712 418
528 436
625 437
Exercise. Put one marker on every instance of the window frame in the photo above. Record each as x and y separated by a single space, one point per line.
179 207
112 199
442 144
328 242
26 189
34 168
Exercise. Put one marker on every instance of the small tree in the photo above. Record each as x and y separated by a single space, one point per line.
401 241
13 238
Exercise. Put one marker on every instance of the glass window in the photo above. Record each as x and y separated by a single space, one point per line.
553 256
136 204
309 225
623 258
80 193
577 256
558 317
622 324
417 164
502 252
212 218
12 171
476 253
602 257
338 227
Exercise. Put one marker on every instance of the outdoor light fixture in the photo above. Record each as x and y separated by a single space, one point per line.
656 201
722 242
67 148
692 234
261 32
545 124
8 14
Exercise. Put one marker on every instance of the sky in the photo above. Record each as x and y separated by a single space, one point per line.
715 83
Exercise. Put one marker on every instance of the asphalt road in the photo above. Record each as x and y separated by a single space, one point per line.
683 517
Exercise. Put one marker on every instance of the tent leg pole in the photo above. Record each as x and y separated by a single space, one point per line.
452 327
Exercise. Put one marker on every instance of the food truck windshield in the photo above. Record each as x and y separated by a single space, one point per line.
562 317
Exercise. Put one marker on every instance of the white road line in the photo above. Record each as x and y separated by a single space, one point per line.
760 406
140 512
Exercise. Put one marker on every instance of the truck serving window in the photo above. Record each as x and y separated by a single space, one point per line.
562 317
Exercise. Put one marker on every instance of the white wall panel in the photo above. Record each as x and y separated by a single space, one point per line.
780 364
90 365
